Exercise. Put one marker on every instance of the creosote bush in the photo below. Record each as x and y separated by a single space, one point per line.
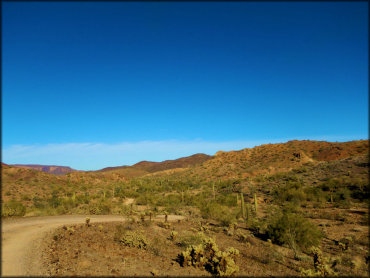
208 256
223 214
294 230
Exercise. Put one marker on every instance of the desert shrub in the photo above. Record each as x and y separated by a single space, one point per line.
54 201
130 238
294 230
227 200
83 199
292 191
26 197
359 189
164 225
246 238
188 239
315 194
125 210
157 246
100 207
212 210
342 194
67 204
13 208
208 256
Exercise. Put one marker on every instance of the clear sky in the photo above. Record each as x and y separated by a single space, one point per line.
94 84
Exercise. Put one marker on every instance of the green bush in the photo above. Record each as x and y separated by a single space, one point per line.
294 230
292 191
101 207
223 214
54 201
38 203
188 239
13 208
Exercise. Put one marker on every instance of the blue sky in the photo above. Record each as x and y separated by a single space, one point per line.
94 84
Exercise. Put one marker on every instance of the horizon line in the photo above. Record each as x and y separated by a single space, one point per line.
133 151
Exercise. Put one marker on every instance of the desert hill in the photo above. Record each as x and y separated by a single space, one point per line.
266 159
151 167
271 158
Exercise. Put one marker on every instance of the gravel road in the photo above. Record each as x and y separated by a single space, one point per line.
22 240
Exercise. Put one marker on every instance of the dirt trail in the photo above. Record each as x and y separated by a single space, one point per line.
22 239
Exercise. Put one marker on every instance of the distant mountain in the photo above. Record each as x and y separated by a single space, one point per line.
151 167
51 169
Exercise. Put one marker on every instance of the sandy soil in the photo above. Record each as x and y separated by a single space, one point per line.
22 240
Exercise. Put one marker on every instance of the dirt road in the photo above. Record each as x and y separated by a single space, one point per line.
22 239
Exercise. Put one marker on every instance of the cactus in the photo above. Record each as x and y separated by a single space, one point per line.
104 194
182 196
173 235
237 199
74 197
255 204
210 258
87 221
164 225
131 239
213 190
71 230
321 265
165 217
248 215
242 205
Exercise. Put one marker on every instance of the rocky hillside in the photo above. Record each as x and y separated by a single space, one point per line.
272 158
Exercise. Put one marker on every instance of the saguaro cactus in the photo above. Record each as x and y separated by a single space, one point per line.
255 204
242 205
248 216
74 197
214 192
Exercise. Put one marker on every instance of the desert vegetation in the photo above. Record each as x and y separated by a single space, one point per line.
299 208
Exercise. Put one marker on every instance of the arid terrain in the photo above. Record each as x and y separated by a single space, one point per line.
295 208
